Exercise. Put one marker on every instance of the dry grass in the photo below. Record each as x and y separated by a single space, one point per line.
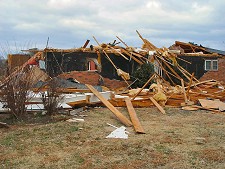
169 142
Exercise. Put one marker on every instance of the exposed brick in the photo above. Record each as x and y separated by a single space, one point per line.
216 75
93 78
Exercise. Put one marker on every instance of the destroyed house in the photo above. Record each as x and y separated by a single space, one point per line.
198 59
60 61
105 60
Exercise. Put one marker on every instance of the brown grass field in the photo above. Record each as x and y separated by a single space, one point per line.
179 139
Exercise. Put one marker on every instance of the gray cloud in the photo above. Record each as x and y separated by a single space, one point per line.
69 23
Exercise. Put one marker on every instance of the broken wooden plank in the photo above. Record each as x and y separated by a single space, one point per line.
118 52
190 108
131 56
167 73
202 82
189 85
184 92
116 112
185 71
157 105
209 109
170 68
133 116
149 80
212 104
146 42
136 103
86 43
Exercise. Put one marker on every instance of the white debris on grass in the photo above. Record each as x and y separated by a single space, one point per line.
118 133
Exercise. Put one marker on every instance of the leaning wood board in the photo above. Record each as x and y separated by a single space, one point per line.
133 116
117 113
157 105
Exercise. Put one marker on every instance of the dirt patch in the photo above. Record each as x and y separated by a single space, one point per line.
171 141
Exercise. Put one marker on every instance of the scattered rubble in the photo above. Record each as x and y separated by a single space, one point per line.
170 85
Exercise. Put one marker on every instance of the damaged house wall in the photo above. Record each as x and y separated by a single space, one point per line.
216 75
196 65
194 58
60 62
109 71
57 62
15 60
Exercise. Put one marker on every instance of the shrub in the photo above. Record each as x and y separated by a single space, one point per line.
51 98
143 73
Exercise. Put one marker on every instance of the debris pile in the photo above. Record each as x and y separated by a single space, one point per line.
170 85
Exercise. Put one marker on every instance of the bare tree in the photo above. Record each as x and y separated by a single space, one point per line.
16 93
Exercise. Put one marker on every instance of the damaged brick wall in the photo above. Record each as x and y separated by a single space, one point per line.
93 78
216 75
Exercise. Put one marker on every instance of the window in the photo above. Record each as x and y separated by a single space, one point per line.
214 65
211 65
92 65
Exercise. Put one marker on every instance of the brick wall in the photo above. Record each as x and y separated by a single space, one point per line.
216 75
93 78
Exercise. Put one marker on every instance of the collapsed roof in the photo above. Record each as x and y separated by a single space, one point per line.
174 84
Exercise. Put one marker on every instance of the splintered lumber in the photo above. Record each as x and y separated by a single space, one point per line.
107 56
116 112
189 85
147 43
86 43
209 109
157 105
183 60
118 52
172 70
149 80
138 61
133 116
187 73
202 82
184 92
212 104
145 102
122 41
131 56
167 73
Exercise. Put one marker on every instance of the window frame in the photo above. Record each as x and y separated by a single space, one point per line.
212 62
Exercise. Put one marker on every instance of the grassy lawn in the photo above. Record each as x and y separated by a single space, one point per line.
180 139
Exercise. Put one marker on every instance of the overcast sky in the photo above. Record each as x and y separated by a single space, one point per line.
69 23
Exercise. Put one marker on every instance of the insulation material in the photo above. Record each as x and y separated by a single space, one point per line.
123 74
